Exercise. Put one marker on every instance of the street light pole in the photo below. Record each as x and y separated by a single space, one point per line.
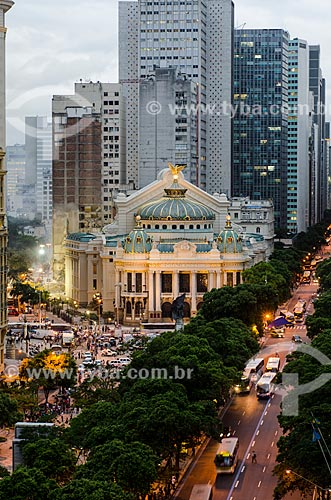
316 486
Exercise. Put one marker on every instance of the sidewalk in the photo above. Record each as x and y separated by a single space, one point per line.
6 458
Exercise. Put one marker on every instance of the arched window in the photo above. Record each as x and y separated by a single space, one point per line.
138 309
187 310
258 230
166 310
128 308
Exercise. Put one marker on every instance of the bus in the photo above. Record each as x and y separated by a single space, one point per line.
298 314
306 277
265 386
201 492
273 365
68 338
226 458
253 371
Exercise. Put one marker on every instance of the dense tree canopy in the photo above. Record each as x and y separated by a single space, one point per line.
9 412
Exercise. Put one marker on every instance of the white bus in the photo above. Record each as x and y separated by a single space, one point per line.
273 365
265 386
227 456
201 492
253 371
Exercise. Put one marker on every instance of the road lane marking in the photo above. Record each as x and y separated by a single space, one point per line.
266 413
258 432
264 468
261 423
268 456
259 484
276 432
243 468
244 412
269 405
236 485
253 444
229 496
238 422
272 443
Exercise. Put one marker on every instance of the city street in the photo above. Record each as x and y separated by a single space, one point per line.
255 423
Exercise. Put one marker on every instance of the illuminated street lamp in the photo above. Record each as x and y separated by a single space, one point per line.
290 471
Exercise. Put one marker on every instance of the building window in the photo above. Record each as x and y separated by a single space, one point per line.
202 282
238 278
258 230
166 283
129 282
94 286
139 282
94 269
229 279
184 283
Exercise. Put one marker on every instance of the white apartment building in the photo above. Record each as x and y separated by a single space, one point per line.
299 132
195 36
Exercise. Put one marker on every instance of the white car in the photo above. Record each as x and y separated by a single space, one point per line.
108 352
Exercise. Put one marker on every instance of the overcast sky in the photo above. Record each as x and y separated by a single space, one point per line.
51 44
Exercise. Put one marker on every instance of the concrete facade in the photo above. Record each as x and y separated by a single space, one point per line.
5 5
159 35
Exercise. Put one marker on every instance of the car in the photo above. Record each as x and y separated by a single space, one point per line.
124 361
108 352
296 338
88 354
87 361
277 332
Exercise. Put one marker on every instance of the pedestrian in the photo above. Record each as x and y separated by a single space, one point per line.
254 457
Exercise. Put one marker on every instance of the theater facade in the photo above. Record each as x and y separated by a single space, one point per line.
167 239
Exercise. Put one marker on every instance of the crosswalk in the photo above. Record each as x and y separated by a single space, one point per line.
297 327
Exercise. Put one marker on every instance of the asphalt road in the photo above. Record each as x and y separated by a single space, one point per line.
255 423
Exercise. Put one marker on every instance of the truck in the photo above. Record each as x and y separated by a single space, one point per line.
67 339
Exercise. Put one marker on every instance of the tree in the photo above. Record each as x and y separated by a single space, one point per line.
132 466
89 489
316 325
278 277
26 484
247 302
9 413
51 456
323 305
49 370
323 271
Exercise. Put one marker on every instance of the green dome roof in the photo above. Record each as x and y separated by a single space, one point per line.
174 206
137 240
229 240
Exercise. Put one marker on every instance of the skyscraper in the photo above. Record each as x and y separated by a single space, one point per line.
5 5
261 123
299 134
318 172
38 169
15 179
196 37
89 160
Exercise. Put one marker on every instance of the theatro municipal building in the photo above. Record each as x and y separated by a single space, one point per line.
167 239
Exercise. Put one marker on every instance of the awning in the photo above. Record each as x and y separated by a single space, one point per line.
278 322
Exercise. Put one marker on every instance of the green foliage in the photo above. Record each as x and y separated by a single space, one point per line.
9 413
89 489
316 325
133 467
26 484
247 302
323 272
51 456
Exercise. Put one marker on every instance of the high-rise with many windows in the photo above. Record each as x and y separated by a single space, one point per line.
299 136
196 37
260 128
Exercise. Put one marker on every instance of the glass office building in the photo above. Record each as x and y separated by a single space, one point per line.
260 125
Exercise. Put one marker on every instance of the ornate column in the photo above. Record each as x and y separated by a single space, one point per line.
211 283
175 283
117 290
218 279
158 291
193 293
150 292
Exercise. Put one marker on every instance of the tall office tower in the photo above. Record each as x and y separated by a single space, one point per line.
299 134
327 157
15 179
89 159
38 169
5 5
316 86
260 124
172 134
196 37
